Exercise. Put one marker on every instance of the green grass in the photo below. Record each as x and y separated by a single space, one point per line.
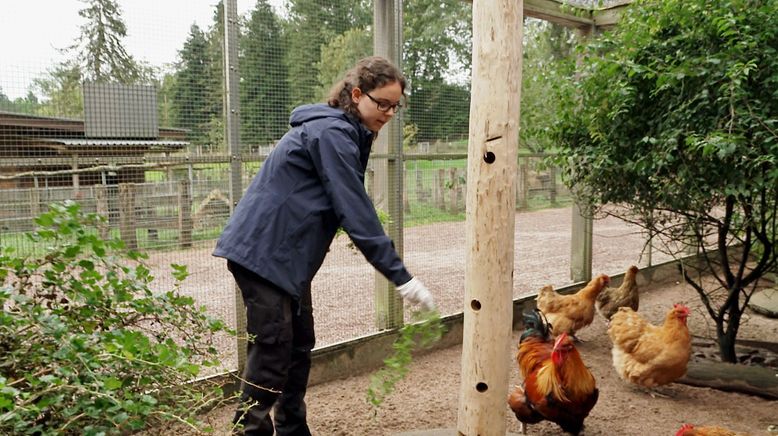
422 213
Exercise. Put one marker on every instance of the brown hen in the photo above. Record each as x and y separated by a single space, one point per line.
610 299
570 313
649 355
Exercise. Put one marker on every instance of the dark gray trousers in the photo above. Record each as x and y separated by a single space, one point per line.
278 359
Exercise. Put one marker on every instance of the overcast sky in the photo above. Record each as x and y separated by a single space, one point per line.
31 31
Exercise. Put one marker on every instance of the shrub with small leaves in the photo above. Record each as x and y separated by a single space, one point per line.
426 329
87 347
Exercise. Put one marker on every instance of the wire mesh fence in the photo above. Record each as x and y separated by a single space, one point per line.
135 129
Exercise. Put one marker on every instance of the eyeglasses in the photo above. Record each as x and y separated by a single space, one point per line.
385 106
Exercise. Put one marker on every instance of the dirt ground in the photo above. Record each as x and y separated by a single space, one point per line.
428 397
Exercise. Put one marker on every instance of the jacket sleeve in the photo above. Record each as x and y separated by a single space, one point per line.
335 155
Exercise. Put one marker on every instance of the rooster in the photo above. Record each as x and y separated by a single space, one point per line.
626 295
570 313
711 430
649 355
557 386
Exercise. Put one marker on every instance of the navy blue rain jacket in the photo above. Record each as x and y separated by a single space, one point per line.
310 184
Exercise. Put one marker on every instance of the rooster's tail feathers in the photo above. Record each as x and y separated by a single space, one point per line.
535 325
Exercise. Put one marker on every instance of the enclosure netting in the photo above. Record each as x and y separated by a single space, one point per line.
131 124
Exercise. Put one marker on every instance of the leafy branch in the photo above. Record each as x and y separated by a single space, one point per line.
427 330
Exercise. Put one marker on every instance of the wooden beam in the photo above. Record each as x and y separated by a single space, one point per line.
556 13
568 15
491 212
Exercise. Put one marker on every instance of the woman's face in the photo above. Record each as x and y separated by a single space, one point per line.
370 104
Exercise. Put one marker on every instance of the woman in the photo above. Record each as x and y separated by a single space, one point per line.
276 240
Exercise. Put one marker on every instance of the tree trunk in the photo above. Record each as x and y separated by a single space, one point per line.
726 343
727 330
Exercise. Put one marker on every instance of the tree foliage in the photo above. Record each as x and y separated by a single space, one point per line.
88 348
263 93
28 104
676 118
339 55
311 25
61 90
100 50
193 86
547 47
436 46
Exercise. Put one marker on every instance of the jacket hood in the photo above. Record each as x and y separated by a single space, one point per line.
309 112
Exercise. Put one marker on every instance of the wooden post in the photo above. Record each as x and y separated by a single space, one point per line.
369 178
101 205
522 184
35 202
387 42
232 137
581 245
452 204
459 188
406 198
422 195
581 237
552 192
491 213
127 215
440 189
184 214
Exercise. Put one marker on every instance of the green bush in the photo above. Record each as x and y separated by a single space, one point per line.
87 347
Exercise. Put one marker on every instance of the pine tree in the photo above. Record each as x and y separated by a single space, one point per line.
100 51
190 108
263 94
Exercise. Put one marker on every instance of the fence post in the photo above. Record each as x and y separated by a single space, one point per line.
387 42
522 184
422 195
127 215
581 245
552 187
453 206
405 197
35 202
101 206
232 136
440 189
184 214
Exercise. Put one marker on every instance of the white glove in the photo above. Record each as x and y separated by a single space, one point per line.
416 293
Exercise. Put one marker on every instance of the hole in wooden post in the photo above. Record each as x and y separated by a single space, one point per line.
475 304
481 387
489 157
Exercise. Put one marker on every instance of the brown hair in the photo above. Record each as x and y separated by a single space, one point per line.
368 74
